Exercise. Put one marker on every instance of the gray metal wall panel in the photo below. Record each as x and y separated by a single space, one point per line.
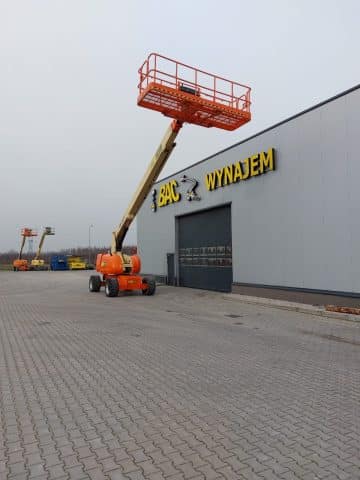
297 226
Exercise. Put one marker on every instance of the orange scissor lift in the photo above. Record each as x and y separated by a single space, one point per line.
187 95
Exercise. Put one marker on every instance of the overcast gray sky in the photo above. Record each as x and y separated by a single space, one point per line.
74 144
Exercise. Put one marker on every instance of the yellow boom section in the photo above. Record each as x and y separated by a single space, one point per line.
153 171
47 231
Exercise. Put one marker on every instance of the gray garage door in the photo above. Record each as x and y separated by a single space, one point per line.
205 254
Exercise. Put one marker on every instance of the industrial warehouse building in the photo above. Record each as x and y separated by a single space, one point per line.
276 215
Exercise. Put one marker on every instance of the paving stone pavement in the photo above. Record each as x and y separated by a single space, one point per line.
183 385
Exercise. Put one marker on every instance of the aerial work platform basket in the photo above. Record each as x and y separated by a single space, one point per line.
28 232
191 95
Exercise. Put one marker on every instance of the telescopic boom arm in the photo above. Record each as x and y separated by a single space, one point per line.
47 231
156 165
21 247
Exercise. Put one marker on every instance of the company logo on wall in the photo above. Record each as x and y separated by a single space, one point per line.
191 193
250 167
169 192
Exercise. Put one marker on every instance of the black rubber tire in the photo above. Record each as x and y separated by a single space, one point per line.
111 287
150 290
94 283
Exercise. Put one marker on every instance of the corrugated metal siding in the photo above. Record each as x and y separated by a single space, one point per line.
297 226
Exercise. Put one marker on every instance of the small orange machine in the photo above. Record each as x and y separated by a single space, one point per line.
21 264
187 95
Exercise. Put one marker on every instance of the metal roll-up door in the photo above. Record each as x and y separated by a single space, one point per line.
205 250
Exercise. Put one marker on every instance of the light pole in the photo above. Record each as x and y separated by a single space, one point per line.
90 227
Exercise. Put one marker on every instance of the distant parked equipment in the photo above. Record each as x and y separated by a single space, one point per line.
76 263
68 262
21 264
38 263
59 262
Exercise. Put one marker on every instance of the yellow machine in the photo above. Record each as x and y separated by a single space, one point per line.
76 263
38 263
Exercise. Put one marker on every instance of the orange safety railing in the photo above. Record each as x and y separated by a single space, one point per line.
192 95
28 232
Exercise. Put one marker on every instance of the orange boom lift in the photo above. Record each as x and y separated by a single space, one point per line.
187 95
21 264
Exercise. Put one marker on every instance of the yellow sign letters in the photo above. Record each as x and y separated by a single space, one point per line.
168 194
250 167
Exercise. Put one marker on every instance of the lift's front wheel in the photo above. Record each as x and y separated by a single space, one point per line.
151 286
111 287
94 283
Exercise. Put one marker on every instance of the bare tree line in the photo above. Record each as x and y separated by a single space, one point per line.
6 258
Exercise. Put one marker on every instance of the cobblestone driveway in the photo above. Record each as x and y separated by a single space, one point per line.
182 385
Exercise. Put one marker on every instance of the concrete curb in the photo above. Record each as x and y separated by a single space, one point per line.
295 307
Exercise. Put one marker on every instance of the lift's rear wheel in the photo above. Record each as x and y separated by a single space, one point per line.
111 287
94 283
151 286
